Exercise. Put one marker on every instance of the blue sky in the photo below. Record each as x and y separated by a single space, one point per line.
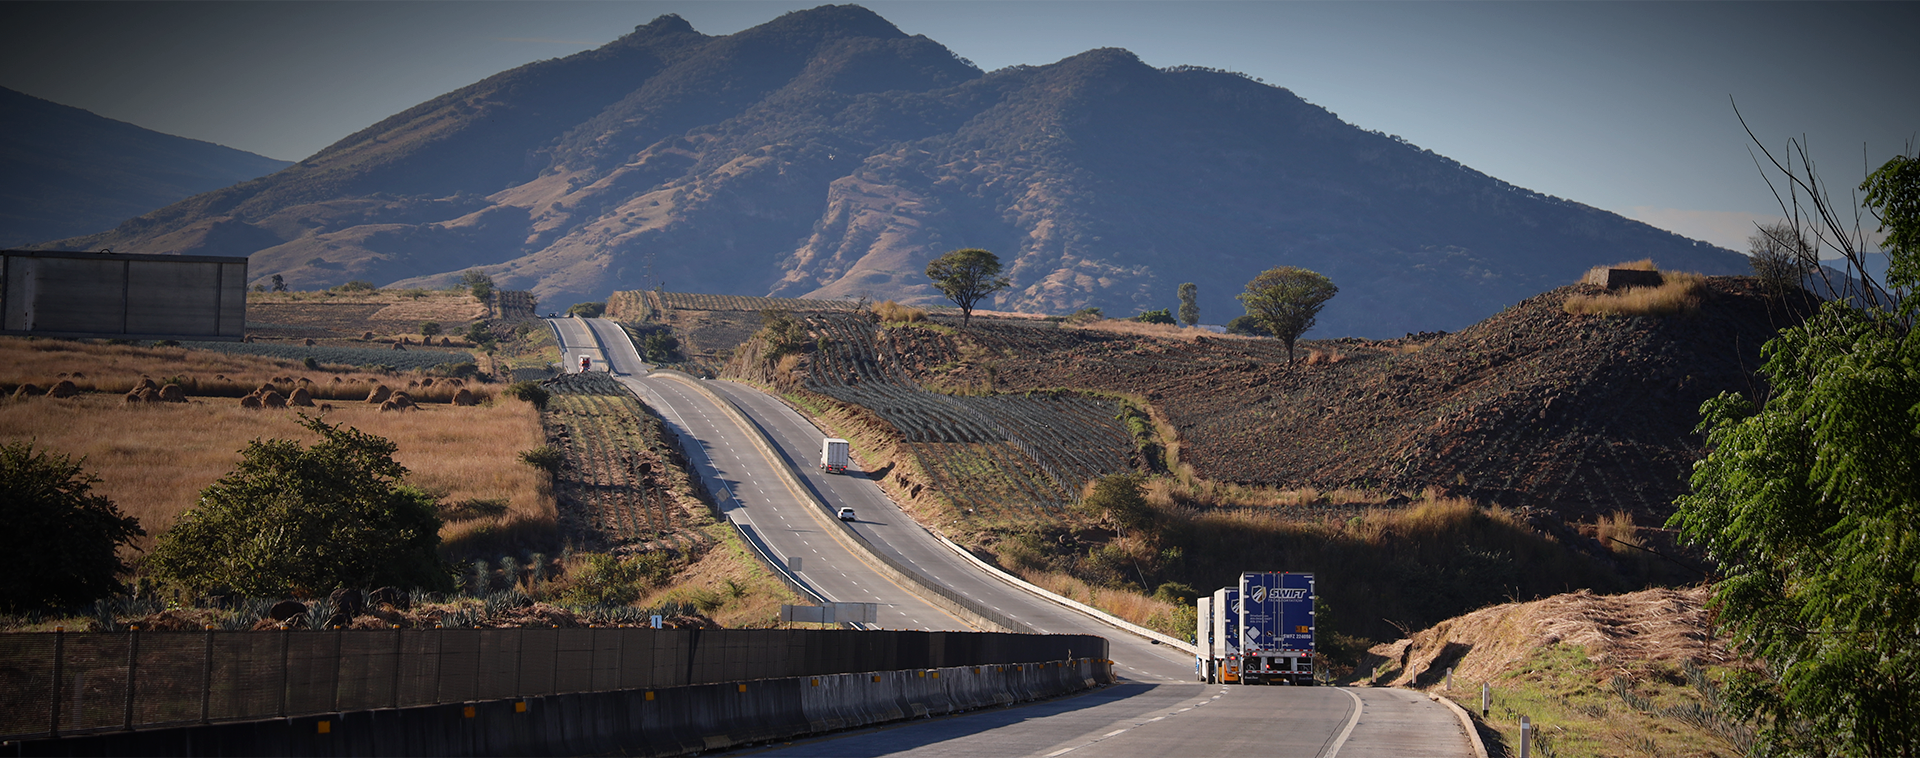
1620 105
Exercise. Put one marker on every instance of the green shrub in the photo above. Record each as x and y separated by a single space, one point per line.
545 457
429 328
1162 316
531 392
587 310
305 520
63 539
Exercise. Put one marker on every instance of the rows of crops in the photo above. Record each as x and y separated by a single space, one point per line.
693 301
1032 450
613 492
404 360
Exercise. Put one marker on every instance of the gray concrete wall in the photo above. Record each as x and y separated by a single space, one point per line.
664 722
80 295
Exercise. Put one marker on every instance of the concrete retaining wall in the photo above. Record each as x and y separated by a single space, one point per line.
672 721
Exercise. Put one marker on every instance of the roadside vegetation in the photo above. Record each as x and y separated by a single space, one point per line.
1637 674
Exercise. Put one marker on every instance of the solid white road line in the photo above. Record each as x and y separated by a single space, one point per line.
1352 721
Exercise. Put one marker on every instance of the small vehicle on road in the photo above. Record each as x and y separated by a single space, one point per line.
846 514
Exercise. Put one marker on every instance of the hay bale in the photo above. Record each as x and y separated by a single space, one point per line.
148 394
265 388
248 338
403 396
427 382
273 400
391 406
78 375
309 342
397 346
413 383
26 391
146 383
250 401
379 394
454 382
324 407
445 342
464 397
173 393
367 337
300 397
336 379
63 388
133 397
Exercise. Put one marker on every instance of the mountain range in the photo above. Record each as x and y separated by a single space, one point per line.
826 153
66 172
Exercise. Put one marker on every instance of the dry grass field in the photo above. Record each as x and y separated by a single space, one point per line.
154 458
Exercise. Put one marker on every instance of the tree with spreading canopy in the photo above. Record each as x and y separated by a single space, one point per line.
304 520
966 277
1287 300
1809 499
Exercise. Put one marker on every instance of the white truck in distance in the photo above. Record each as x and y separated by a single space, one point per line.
833 456
1259 632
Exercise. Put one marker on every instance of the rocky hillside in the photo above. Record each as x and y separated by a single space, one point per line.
1584 415
69 172
826 153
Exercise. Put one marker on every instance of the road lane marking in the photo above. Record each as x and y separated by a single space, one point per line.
1351 723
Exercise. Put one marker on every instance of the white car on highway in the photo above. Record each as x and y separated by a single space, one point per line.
846 514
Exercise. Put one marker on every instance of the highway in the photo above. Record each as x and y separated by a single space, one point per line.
754 497
1158 709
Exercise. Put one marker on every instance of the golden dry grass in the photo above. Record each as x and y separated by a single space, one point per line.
1140 609
1163 331
1679 292
202 373
895 313
154 458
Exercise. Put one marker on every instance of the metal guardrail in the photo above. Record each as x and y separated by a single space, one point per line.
66 683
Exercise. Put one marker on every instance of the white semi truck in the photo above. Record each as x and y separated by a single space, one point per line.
1261 631
833 456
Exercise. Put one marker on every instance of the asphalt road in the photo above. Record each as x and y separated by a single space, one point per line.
1139 720
728 462
1158 710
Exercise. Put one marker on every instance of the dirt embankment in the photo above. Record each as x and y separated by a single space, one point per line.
1619 633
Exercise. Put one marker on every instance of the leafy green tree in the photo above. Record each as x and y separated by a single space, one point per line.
966 277
1189 304
279 283
64 540
1287 300
1893 193
1810 504
305 520
1122 498
587 310
477 282
429 328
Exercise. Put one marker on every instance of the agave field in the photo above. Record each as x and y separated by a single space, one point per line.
1001 452
613 489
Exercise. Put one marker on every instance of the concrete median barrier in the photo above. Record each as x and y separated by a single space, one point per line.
663 722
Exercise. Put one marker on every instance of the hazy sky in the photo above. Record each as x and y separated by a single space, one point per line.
1620 105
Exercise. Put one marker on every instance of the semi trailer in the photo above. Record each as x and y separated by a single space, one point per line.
833 456
1258 632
